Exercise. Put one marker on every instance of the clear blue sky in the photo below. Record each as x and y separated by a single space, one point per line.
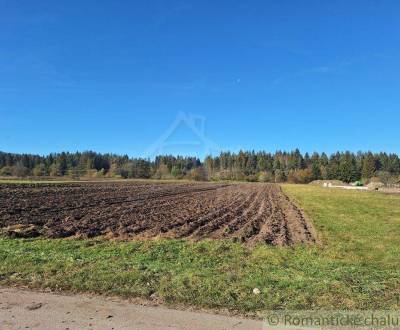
112 76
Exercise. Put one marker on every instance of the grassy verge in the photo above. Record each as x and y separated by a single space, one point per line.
356 266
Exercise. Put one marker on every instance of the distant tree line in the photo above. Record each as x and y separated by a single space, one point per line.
295 167
280 166
92 164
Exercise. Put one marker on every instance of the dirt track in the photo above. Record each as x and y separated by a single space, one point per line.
33 310
244 212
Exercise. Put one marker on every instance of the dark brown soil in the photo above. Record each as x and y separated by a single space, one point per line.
244 212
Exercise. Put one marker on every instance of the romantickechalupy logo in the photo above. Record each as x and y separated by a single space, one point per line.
296 320
195 127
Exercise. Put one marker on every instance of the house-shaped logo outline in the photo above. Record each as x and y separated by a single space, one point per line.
197 126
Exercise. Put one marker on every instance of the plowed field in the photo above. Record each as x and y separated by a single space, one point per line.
244 212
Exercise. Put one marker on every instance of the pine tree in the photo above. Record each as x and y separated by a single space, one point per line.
316 171
348 167
369 166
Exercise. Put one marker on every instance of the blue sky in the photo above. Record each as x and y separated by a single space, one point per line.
112 76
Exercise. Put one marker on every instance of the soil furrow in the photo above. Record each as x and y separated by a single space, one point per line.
250 213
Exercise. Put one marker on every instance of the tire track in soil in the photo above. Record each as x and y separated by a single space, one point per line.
239 222
256 217
173 211
219 227
204 228
187 226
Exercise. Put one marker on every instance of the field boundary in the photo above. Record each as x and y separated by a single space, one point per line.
306 216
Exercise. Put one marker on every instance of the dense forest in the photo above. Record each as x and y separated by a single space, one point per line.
293 167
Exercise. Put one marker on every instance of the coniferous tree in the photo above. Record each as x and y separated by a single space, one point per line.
368 166
348 168
316 171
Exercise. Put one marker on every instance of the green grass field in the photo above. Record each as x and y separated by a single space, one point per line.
355 266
